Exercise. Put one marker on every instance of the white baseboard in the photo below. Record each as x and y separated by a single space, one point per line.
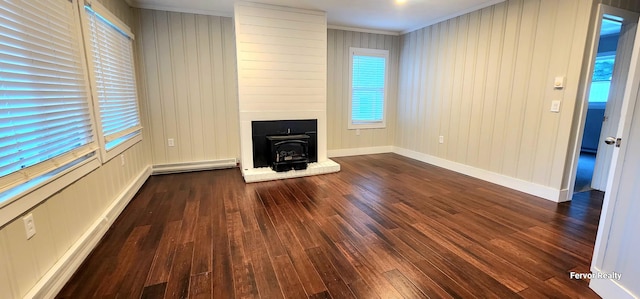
194 166
564 195
608 288
53 281
485 175
360 151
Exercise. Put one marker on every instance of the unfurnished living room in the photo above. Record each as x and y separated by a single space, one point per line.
319 149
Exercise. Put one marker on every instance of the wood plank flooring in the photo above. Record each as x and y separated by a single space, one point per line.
384 227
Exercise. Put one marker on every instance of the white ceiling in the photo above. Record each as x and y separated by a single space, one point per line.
375 15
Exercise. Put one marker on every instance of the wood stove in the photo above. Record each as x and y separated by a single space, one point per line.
267 133
289 152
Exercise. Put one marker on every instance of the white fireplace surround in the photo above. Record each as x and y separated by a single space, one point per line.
250 174
282 75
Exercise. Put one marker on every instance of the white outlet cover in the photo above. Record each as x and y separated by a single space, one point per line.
555 106
29 226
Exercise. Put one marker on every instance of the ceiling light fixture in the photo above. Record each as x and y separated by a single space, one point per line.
401 1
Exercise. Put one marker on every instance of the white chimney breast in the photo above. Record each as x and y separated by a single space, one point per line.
282 69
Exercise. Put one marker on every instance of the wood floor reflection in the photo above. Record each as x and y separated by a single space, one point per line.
384 227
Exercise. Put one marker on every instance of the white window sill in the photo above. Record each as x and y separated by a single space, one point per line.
120 148
367 126
24 197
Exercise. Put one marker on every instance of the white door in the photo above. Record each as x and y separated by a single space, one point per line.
610 122
617 248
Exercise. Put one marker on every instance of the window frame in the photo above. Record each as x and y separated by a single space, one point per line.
354 51
25 196
107 154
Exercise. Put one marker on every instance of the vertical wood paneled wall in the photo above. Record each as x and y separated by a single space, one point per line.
62 219
338 43
188 88
282 69
484 81
120 9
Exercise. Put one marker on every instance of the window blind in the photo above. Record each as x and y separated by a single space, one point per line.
115 84
45 120
367 89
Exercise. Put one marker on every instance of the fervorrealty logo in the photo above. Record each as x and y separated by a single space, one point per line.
597 275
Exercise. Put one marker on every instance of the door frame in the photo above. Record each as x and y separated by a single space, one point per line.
613 108
608 287
585 88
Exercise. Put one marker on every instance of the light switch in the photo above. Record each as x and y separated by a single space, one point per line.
558 83
555 106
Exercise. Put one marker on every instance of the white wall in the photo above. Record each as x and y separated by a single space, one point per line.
282 69
484 81
340 138
69 219
188 85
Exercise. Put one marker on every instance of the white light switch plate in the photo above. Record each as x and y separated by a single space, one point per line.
555 106
558 82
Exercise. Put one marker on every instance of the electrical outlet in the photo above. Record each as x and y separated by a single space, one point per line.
555 106
357 132
441 139
122 160
171 142
29 226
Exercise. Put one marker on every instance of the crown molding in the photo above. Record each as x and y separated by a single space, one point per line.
217 13
365 30
454 15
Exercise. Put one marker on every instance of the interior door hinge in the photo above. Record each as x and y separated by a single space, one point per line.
618 142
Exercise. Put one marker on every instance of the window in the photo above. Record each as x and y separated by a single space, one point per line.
113 80
368 88
45 119
601 81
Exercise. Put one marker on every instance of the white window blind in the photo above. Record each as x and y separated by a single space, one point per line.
45 120
115 85
368 84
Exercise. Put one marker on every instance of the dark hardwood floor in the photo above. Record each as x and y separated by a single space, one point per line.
384 227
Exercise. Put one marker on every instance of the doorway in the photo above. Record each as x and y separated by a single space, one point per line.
597 102
610 62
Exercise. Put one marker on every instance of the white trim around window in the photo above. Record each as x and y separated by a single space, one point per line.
368 88
47 132
113 79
